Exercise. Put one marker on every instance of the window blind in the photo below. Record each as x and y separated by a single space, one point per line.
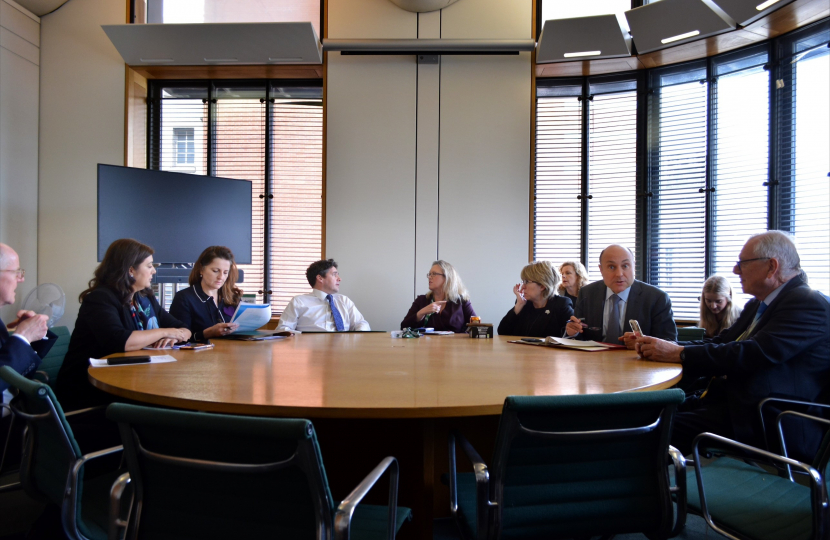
297 186
740 160
239 152
558 178
803 135
677 142
612 166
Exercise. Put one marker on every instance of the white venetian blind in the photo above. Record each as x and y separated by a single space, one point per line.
297 186
557 223
740 161
677 173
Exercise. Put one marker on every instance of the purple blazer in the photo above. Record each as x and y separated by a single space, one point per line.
454 316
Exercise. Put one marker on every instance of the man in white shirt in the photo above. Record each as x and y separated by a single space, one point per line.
323 309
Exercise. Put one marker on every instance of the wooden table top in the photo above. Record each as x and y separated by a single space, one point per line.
374 376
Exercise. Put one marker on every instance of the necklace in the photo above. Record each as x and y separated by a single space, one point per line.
221 316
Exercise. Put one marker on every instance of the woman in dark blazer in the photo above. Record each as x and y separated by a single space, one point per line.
207 306
446 306
118 313
539 311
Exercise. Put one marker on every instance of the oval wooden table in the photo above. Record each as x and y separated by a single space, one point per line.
370 395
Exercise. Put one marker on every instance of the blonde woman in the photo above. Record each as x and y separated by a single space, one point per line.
574 277
446 306
539 311
717 311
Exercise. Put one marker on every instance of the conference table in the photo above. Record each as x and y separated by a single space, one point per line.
371 395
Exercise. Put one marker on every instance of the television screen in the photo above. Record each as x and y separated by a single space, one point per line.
176 214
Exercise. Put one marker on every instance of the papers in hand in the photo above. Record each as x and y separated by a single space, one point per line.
249 317
160 359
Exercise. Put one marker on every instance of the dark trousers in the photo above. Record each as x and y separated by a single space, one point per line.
712 418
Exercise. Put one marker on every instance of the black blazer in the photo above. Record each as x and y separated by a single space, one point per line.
103 327
22 358
648 305
196 315
547 321
786 355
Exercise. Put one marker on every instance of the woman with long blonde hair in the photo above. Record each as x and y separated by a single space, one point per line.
717 311
446 306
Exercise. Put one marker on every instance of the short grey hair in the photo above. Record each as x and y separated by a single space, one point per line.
778 245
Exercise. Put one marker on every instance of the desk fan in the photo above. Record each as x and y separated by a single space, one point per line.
46 299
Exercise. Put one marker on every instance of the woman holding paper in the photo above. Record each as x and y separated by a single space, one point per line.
446 306
539 311
118 313
208 305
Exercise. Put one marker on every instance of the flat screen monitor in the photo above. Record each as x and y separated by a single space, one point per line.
176 214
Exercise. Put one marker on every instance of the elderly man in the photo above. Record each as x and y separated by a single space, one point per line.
779 347
604 308
323 309
24 350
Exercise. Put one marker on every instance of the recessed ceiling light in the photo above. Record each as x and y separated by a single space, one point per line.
155 60
296 59
586 53
221 60
681 36
765 5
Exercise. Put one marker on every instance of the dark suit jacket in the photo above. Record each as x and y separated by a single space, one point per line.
103 327
196 315
535 322
646 304
787 355
454 317
22 358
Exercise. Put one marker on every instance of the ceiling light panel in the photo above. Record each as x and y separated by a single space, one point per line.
672 22
601 36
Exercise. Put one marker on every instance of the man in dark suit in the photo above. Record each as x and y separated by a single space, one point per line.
604 308
779 347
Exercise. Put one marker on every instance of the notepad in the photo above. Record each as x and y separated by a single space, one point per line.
159 359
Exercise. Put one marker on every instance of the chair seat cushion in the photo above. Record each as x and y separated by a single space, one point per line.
745 498
369 522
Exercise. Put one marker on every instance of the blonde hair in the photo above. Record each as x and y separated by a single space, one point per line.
545 274
579 270
708 320
454 289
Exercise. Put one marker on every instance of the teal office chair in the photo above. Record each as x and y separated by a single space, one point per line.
744 501
573 466
53 468
201 475
52 362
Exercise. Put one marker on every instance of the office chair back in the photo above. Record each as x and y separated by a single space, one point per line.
567 466
199 475
690 333
53 360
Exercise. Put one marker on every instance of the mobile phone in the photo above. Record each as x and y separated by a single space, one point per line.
635 327
128 360
532 340
196 346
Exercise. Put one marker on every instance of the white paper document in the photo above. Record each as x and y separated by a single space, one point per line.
250 317
159 359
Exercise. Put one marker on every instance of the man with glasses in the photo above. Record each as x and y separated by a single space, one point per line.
604 308
323 309
779 347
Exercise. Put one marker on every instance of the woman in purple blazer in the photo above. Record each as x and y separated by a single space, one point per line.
446 306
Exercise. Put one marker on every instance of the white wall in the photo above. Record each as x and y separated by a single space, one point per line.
81 124
19 74
428 161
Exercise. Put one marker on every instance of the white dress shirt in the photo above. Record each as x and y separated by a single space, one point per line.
311 313
606 311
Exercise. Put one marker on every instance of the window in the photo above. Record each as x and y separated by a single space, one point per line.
586 155
269 133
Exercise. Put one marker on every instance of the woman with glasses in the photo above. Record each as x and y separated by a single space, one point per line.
118 313
539 311
574 277
446 306
717 311
208 305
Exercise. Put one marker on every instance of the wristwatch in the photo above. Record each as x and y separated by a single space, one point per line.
683 354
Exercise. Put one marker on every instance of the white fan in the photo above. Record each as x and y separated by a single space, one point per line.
46 299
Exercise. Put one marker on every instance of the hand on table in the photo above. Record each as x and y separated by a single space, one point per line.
629 339
658 350
220 329
163 343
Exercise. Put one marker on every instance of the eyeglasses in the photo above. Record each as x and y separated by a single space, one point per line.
739 263
433 274
529 282
19 273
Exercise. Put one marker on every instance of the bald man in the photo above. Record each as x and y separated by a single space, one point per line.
604 308
24 350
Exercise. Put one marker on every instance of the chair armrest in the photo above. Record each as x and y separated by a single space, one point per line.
780 428
764 402
70 494
115 521
41 376
84 411
679 464
483 503
817 487
345 510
